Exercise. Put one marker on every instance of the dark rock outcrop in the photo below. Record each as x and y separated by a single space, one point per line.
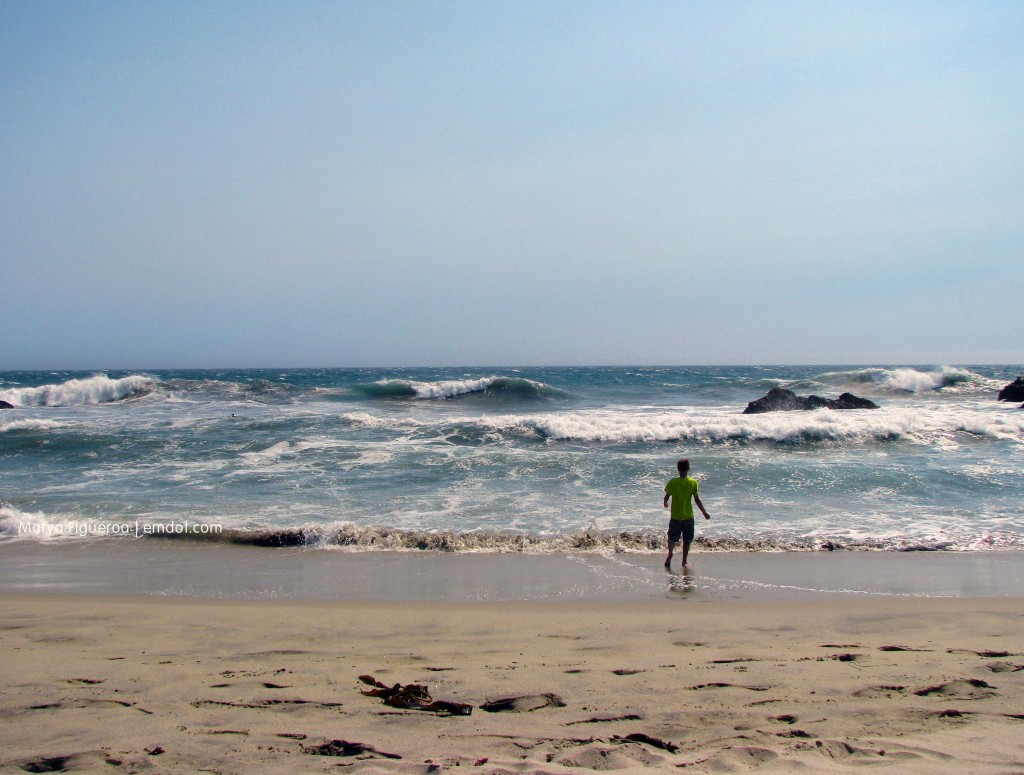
782 400
1014 391
777 400
850 401
5 405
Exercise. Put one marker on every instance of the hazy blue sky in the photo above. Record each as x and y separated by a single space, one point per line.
400 183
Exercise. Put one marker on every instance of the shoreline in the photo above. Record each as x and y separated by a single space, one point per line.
135 683
215 571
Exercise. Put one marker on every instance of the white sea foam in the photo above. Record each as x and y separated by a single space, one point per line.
994 425
78 392
452 388
28 424
376 457
366 420
268 455
910 380
283 449
16 524
711 427
914 381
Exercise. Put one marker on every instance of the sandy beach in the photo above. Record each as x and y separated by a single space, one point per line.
134 684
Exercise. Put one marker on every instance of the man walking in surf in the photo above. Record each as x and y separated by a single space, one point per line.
682 491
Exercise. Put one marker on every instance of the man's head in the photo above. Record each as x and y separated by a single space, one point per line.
683 466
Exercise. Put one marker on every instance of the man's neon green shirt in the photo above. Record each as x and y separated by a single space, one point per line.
682 492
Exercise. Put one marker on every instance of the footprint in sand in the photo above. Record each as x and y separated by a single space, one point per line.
607 718
524 704
899 648
845 657
745 757
250 685
86 703
94 761
264 703
603 757
1004 667
839 749
880 691
47 764
722 685
732 661
968 689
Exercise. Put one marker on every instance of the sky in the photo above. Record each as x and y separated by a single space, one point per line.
388 183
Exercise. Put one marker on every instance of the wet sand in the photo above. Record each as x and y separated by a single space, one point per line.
224 571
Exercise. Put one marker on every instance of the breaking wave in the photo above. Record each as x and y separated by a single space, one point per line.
19 525
28 425
352 538
495 387
910 380
589 540
99 389
612 427
261 391
781 428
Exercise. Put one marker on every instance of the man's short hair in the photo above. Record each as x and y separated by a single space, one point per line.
683 465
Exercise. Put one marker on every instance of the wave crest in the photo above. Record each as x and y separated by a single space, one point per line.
589 540
29 425
99 389
16 524
711 428
908 379
495 386
783 427
261 391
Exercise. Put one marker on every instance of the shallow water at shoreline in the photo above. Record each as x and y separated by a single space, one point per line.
251 573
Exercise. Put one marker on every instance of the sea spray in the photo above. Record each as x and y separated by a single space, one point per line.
97 389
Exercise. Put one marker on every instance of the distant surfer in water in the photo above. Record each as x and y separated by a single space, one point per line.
682 491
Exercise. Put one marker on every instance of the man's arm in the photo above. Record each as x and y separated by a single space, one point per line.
665 504
704 511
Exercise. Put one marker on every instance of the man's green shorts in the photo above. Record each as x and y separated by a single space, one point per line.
680 528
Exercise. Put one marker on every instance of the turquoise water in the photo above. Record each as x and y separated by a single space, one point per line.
501 459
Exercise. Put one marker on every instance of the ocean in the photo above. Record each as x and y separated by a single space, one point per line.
511 460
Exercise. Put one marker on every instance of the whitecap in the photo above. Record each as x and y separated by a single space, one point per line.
29 424
909 379
80 392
